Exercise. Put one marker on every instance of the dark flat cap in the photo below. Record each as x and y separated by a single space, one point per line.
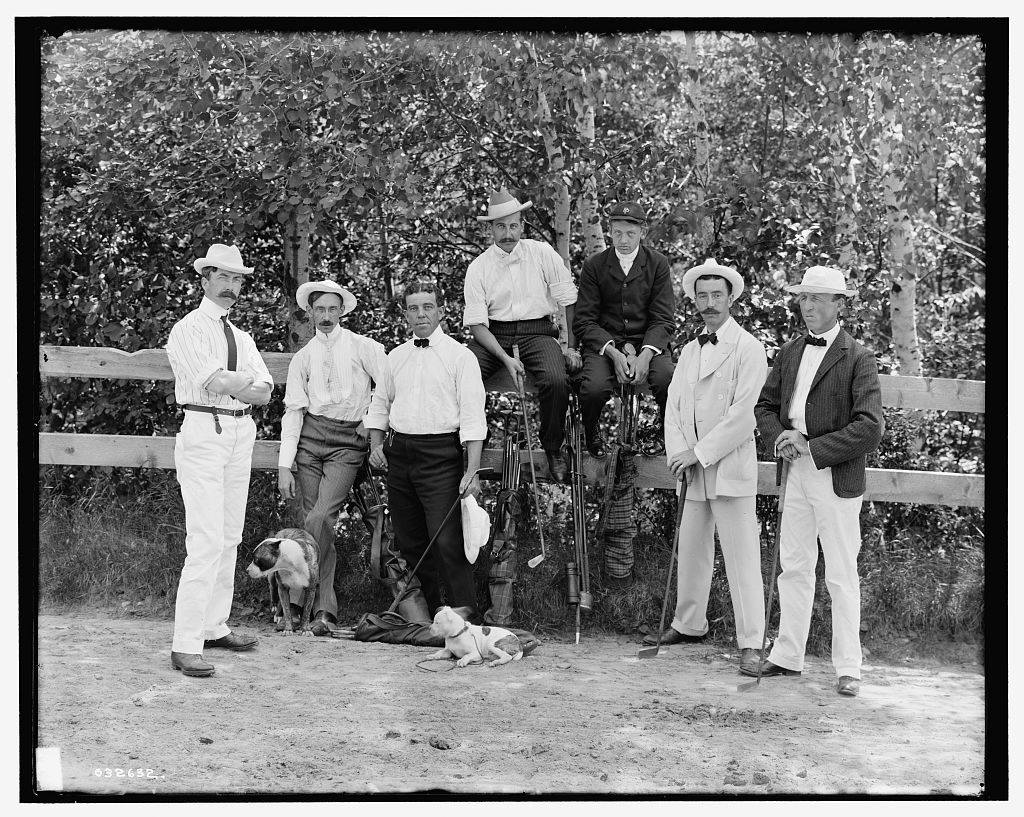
628 211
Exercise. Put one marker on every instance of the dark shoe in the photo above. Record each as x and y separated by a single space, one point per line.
748 660
848 685
595 443
557 466
191 664
322 624
768 670
233 641
673 636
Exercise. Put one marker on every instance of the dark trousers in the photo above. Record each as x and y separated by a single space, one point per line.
328 458
542 358
424 471
597 381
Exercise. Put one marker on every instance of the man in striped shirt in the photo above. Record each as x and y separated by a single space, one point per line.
322 431
218 376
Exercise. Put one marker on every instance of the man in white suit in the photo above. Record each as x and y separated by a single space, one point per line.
709 440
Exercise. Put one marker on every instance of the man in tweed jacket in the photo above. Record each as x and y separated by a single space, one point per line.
821 409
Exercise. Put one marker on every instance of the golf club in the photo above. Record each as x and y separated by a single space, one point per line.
651 652
781 474
536 560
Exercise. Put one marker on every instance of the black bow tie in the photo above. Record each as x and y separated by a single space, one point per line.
422 342
813 341
707 338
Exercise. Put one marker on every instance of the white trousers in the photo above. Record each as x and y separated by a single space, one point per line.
813 512
213 472
736 520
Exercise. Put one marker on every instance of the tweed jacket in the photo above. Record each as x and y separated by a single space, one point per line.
843 412
710 410
639 307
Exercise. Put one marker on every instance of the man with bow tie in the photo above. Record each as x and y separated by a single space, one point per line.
429 405
709 441
322 431
821 409
624 320
218 377
511 292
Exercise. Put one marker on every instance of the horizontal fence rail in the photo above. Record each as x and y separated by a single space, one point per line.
883 485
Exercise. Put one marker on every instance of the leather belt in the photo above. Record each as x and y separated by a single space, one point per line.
217 410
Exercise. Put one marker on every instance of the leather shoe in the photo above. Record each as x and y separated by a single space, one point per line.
557 466
595 443
848 685
191 664
748 660
322 624
768 670
673 636
233 641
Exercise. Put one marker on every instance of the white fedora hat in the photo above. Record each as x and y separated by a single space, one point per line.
223 257
348 300
476 527
711 267
501 204
823 281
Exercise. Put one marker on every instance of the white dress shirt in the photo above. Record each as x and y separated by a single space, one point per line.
626 261
810 360
528 283
197 349
331 376
431 390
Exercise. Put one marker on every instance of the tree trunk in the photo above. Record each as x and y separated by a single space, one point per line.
589 208
296 266
704 233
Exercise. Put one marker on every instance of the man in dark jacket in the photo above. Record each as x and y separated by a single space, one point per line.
821 409
625 318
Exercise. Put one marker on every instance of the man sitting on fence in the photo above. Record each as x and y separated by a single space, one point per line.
821 409
322 431
218 376
511 291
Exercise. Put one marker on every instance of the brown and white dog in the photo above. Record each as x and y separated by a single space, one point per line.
470 643
289 560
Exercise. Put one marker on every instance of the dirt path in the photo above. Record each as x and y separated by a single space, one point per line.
589 719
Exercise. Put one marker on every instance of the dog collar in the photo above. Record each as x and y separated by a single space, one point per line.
460 632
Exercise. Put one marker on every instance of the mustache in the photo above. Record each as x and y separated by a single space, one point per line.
227 293
326 323
709 311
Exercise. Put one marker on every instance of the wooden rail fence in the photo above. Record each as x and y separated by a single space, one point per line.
883 485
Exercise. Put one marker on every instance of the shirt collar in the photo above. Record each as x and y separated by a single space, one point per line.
434 336
501 255
829 336
332 337
208 307
628 260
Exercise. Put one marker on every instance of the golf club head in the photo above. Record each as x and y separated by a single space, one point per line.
648 652
749 685
536 560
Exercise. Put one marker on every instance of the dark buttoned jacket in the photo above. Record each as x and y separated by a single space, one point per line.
612 306
843 411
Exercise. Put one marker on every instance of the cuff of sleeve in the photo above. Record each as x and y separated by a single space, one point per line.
702 458
375 423
474 314
654 349
471 433
607 344
810 453
286 456
564 292
203 377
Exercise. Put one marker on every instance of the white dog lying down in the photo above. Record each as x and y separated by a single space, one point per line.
470 643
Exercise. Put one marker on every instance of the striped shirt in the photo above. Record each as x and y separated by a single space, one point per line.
198 350
528 283
436 390
331 376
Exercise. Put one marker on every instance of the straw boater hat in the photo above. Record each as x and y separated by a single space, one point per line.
223 257
348 300
823 281
476 527
711 267
501 204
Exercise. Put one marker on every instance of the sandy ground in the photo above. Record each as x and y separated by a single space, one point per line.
320 715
